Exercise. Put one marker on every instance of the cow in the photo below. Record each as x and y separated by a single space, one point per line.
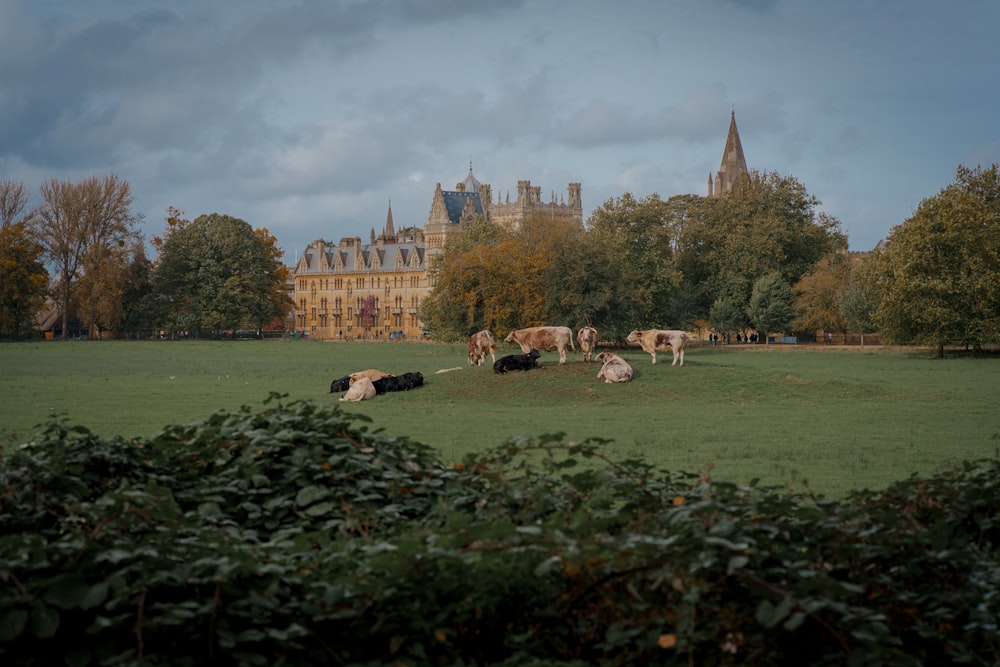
482 343
587 338
613 368
341 384
361 389
543 338
409 381
517 362
386 384
652 340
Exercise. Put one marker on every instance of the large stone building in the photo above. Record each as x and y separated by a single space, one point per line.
350 290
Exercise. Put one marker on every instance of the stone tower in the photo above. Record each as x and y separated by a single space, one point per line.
734 164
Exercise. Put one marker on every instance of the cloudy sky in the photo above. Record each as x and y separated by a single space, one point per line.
308 117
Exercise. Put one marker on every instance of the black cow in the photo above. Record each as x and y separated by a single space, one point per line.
517 362
411 380
340 384
387 384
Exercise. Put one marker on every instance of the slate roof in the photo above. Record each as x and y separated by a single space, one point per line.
455 203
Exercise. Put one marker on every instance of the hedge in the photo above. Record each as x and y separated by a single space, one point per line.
301 535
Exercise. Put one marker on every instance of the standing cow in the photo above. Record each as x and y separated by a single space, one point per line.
482 343
543 338
652 340
613 368
587 338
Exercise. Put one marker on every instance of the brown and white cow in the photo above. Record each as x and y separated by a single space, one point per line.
652 340
587 338
482 343
543 338
361 389
613 368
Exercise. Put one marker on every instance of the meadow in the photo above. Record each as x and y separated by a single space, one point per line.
808 418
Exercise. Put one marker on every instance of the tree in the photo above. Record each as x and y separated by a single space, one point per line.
23 279
80 225
855 308
770 307
14 203
937 278
767 224
217 273
727 315
817 295
634 240
492 277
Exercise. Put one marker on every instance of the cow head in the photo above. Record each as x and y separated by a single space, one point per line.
511 337
534 354
634 336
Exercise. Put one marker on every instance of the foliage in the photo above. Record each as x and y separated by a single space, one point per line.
492 277
770 307
298 536
937 279
818 295
856 310
728 315
634 240
767 224
216 273
82 226
23 279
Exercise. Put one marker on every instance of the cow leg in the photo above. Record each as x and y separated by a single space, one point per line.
562 355
653 354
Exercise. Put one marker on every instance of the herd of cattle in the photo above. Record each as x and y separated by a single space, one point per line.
369 383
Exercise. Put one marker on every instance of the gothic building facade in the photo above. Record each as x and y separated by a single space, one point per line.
373 290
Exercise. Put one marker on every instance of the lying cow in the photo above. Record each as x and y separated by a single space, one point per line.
361 389
613 368
403 382
482 343
517 362
652 340
543 338
341 384
587 338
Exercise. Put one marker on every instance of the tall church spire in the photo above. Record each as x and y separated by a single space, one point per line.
734 163
390 231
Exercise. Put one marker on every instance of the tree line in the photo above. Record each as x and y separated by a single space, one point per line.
761 258
80 252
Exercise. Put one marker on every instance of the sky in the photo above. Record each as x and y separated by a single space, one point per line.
312 117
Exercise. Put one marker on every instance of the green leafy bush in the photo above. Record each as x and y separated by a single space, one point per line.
299 535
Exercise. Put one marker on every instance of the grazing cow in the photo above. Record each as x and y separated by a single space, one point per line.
587 338
543 338
482 343
652 340
361 389
613 368
517 362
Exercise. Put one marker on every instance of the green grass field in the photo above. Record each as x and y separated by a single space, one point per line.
833 419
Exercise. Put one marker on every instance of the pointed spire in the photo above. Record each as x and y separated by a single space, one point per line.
734 163
390 230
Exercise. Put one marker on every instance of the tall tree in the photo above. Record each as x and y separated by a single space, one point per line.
937 278
23 279
14 203
217 273
856 309
636 240
767 224
80 225
817 295
770 307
